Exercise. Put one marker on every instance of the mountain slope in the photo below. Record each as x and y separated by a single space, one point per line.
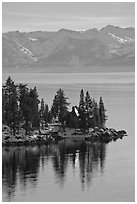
68 49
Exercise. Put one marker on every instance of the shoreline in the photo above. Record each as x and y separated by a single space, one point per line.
94 135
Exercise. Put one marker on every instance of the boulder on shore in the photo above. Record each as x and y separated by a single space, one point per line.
105 134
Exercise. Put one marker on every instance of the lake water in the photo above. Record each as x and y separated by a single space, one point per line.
70 171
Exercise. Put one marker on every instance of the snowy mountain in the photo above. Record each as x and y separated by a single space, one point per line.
68 50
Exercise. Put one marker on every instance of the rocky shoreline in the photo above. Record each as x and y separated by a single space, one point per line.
93 135
106 135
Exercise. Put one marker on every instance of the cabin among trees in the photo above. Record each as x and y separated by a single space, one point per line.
21 108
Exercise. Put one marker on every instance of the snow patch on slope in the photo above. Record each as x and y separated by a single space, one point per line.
121 40
129 39
28 52
114 52
33 39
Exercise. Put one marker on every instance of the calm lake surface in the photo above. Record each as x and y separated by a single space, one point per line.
77 171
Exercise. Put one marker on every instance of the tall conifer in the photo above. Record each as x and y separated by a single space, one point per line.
42 112
60 106
102 113
10 104
82 101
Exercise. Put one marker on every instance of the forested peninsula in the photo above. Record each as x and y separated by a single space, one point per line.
26 119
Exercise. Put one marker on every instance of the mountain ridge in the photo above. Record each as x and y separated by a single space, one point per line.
78 50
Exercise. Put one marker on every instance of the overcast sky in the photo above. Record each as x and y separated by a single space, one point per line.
33 16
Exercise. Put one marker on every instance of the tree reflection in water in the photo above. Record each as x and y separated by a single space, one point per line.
23 164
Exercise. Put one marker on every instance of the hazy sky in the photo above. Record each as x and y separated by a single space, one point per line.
25 16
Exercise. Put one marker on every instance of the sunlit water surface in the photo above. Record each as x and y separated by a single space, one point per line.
77 171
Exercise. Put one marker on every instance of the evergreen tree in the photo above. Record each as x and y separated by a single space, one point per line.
46 114
89 104
55 107
82 101
102 114
24 106
60 106
42 112
87 101
96 115
92 104
4 101
23 94
10 105
34 103
29 107
82 111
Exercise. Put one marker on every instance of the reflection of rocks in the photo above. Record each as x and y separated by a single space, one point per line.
23 163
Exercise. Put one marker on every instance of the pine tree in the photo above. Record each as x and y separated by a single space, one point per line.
82 101
34 102
54 107
29 107
42 112
60 106
82 111
24 107
102 114
23 95
10 104
46 114
96 115
88 109
4 101
87 101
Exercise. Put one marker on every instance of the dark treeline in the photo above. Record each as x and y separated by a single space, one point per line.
21 108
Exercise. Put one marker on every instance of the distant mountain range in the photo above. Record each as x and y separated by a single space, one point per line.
93 50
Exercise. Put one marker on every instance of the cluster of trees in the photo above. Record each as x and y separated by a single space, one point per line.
21 108
88 114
